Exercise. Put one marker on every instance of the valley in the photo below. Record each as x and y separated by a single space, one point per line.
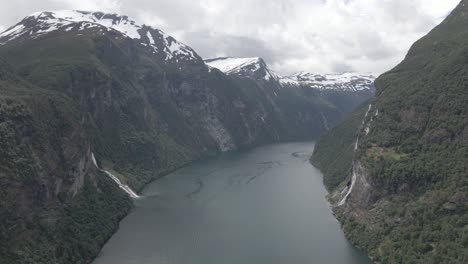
121 144
264 205
95 106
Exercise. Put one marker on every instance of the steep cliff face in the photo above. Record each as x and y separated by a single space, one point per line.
406 196
150 103
55 206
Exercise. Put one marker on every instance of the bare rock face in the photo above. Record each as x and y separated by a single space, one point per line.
363 194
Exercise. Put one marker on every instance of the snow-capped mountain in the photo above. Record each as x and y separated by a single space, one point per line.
256 67
43 23
347 81
243 67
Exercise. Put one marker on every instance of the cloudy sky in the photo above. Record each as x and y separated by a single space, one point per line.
291 35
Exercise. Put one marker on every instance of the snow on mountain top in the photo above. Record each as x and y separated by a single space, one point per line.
342 81
51 21
243 66
229 65
41 23
119 23
247 66
334 77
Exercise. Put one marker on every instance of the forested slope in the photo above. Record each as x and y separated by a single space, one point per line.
409 203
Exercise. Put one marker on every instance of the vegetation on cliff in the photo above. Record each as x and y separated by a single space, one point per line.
414 150
334 152
54 205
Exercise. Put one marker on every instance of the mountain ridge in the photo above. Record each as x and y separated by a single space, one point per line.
347 81
45 22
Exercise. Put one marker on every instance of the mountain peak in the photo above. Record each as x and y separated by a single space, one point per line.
255 66
42 23
231 65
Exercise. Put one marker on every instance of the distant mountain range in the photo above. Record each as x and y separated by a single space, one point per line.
257 68
343 92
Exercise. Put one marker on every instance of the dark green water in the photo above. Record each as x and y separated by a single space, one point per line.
264 206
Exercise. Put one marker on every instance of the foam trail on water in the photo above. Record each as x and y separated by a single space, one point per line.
122 186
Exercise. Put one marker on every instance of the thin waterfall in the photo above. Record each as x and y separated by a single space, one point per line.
354 176
122 186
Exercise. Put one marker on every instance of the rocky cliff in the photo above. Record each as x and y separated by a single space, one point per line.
56 207
404 199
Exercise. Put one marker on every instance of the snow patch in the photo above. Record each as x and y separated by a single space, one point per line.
150 37
46 22
344 81
230 65
13 32
176 48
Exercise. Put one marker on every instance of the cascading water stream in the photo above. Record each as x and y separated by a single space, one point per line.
122 186
354 176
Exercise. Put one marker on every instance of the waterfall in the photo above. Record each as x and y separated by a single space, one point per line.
353 181
122 186
354 177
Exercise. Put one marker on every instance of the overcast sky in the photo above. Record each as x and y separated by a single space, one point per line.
291 35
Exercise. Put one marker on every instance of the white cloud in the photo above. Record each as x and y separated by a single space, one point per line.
103 5
292 35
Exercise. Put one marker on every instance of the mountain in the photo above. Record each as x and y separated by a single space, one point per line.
55 205
91 102
404 191
343 82
254 68
343 91
44 23
309 102
301 116
258 69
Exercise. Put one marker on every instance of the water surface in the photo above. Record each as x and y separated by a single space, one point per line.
264 206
